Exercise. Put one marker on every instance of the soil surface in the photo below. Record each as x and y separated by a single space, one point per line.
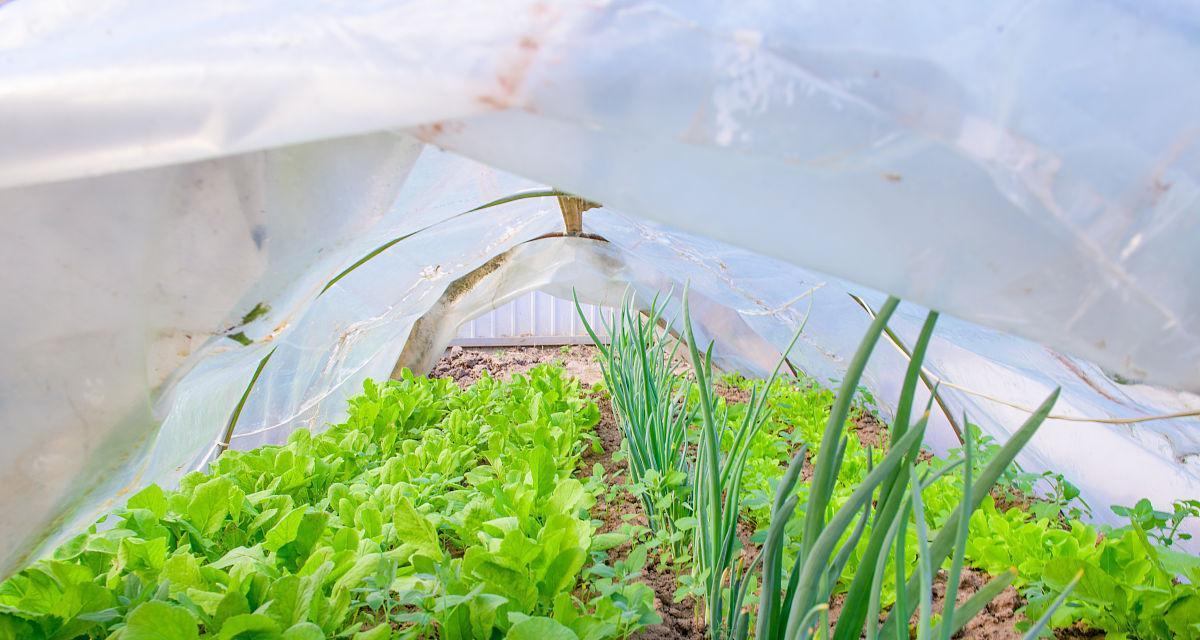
467 364
996 622
680 621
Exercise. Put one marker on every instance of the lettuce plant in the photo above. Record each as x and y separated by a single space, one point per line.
430 512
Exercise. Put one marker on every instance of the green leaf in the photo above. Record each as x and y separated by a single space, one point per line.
606 541
182 571
208 601
382 631
369 520
303 631
415 530
482 613
157 620
1177 562
283 604
151 498
561 573
209 505
540 629
568 497
1094 586
285 530
1036 629
516 586
250 626
1183 616
363 567
135 554
544 470
233 604
312 525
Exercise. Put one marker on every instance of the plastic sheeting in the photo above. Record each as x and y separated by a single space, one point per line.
163 172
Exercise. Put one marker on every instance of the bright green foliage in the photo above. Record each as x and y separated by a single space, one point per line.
720 464
840 499
652 406
1163 526
431 512
1129 586
1025 540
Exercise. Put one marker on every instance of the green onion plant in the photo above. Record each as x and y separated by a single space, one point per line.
717 492
792 601
651 403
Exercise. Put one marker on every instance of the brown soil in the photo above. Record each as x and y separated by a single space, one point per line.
996 622
870 430
1011 499
678 619
731 394
1077 632
466 364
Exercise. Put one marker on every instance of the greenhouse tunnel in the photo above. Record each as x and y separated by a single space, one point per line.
402 307
195 263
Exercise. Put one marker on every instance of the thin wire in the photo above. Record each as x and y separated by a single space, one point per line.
1163 416
924 376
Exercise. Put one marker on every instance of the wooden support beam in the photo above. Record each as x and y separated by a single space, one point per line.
572 212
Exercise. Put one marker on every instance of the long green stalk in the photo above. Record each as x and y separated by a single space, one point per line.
824 473
821 550
880 569
888 498
772 551
924 565
718 490
960 542
854 611
892 492
945 539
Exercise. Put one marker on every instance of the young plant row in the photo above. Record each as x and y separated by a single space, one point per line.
431 512
876 531
1135 584
877 539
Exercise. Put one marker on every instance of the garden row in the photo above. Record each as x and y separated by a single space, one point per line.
857 532
439 512
431 512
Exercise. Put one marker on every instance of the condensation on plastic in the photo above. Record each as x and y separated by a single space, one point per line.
1031 168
